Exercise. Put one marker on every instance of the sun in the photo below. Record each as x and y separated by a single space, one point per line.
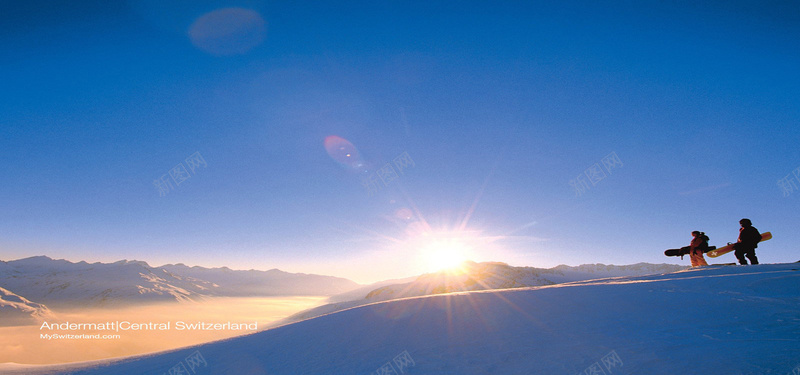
444 255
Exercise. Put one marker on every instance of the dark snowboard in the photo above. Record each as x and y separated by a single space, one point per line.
684 251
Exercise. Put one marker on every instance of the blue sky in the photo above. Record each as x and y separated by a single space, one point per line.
500 107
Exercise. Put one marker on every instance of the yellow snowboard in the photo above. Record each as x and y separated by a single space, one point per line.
727 249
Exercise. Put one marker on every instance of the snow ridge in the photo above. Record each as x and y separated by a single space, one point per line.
16 310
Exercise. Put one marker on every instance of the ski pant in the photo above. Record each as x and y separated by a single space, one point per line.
743 251
698 259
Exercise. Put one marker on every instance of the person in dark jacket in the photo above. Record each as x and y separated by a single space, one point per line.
747 243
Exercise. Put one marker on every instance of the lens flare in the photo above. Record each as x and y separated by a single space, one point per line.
404 214
228 31
344 153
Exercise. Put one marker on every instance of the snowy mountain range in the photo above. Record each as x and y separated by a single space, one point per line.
708 320
58 283
263 283
483 276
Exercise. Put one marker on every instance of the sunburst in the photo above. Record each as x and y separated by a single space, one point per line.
445 255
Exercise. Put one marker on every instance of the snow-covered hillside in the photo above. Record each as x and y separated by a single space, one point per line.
496 275
564 273
361 292
483 276
712 320
62 283
16 310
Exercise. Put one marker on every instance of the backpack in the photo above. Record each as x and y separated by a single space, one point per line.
705 239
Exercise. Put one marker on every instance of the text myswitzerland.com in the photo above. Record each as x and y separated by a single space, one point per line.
56 336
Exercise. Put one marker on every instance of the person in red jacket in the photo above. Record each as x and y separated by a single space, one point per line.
697 247
746 245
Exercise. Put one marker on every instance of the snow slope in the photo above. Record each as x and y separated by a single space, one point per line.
497 275
484 276
713 320
16 310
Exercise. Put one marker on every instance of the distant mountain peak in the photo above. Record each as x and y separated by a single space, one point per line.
36 258
126 262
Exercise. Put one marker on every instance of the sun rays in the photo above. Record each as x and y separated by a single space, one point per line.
444 256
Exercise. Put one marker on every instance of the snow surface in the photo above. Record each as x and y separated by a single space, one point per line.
481 276
711 320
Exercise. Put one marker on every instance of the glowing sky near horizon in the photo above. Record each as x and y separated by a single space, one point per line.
347 139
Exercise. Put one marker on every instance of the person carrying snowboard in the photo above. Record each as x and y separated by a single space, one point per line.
697 248
747 243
